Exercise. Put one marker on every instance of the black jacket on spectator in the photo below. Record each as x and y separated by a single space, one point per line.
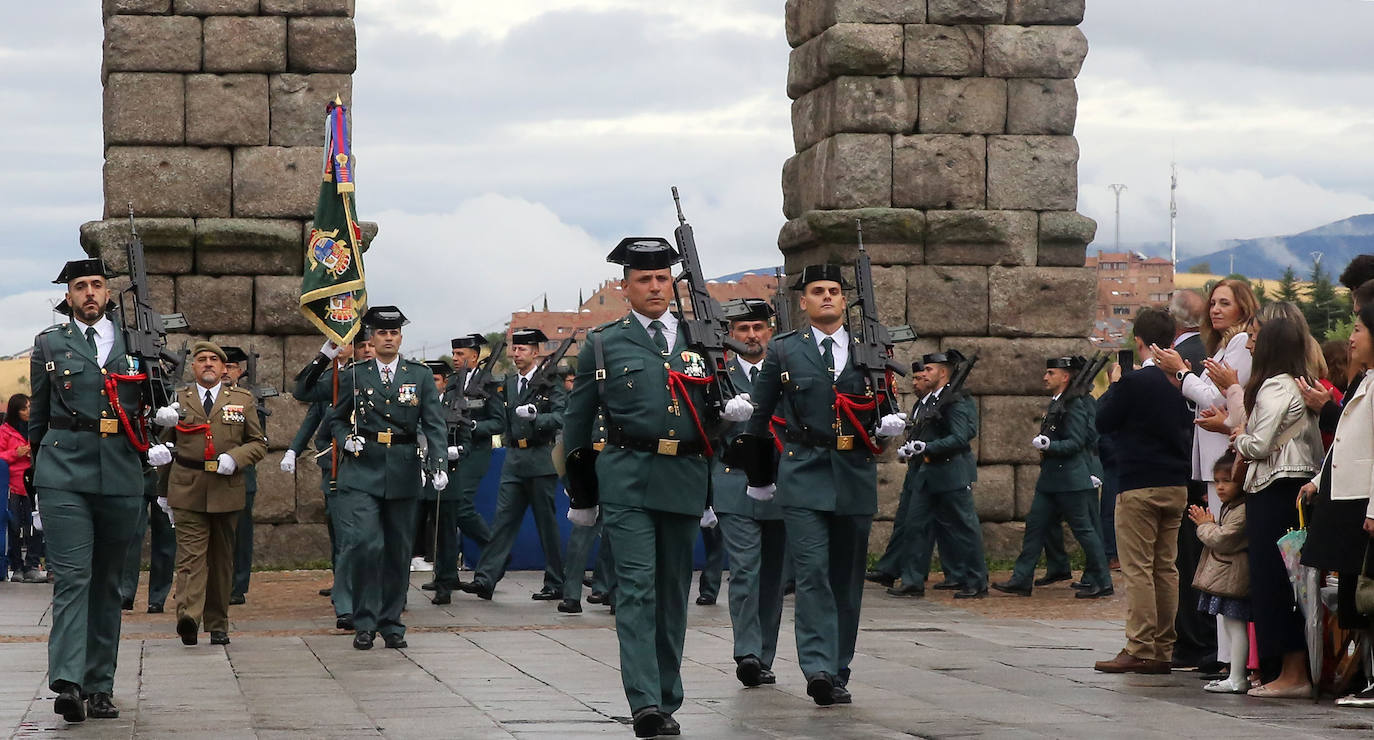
1151 428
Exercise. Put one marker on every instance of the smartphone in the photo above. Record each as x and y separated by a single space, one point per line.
1126 359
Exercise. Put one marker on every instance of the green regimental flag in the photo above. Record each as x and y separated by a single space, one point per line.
333 293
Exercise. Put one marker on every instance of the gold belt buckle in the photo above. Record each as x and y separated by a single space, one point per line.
667 447
522 443
844 442
212 466
598 446
109 426
384 438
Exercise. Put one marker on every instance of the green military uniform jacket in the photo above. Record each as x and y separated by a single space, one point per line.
1067 464
947 463
529 442
69 391
727 483
637 403
408 407
458 436
235 430
795 381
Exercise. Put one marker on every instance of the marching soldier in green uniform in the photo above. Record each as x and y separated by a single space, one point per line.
652 476
534 416
581 539
943 471
708 585
89 479
235 374
384 406
1064 489
162 548
438 528
827 478
752 530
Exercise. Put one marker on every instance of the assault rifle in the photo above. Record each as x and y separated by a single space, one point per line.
547 376
708 332
146 336
455 403
1081 384
952 392
260 392
782 307
484 369
872 352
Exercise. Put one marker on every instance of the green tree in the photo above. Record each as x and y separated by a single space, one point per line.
1323 308
1288 287
1201 268
1341 330
1262 295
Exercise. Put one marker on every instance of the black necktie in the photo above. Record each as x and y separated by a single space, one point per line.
209 404
828 354
523 382
90 339
753 375
659 338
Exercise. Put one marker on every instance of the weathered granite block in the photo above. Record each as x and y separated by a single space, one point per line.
161 291
307 7
939 171
855 105
300 350
981 237
1034 51
276 499
954 12
276 182
845 49
1012 366
167 181
150 43
1007 424
808 18
248 44
216 7
1041 106
843 171
290 545
1038 173
890 281
278 306
226 110
974 105
1041 301
321 45
245 246
890 476
298 103
947 51
994 493
945 301
309 498
878 535
215 305
167 243
1026 478
1045 12
135 7
1064 238
287 416
892 225
1002 540
144 108
270 364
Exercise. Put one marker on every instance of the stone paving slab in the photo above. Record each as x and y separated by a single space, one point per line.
514 668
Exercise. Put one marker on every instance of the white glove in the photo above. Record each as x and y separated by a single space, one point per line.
37 521
455 452
226 466
708 519
288 462
159 455
892 425
168 416
330 350
761 493
166 509
583 517
910 449
1097 482
440 480
738 409
526 412
353 444
1041 442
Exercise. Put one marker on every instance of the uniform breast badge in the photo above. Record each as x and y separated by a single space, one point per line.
407 395
693 365
232 414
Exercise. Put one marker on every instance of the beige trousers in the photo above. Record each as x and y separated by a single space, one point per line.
205 566
1147 522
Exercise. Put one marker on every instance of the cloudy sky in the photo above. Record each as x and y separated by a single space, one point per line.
505 147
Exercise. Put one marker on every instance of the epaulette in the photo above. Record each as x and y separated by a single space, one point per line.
54 327
607 325
784 335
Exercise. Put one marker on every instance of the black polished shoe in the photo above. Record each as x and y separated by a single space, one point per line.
100 706
705 600
1080 586
821 689
547 594
948 586
789 588
670 727
395 642
127 605
587 582
1051 578
648 722
327 591
880 578
441 597
969 592
1096 593
570 606
363 640
236 600
427 586
154 608
68 704
749 671
596 597
188 631
1012 588
219 638
907 592
767 677
476 588
344 622
612 612
841 695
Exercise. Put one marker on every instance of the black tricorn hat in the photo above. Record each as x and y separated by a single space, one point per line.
814 273
471 341
644 253
918 366
438 367
81 268
234 354
749 309
947 357
363 334
533 337
385 317
1065 363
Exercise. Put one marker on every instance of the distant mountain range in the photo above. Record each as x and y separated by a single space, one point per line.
1337 242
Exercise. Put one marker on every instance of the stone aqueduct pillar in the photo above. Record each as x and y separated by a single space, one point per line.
214 130
947 126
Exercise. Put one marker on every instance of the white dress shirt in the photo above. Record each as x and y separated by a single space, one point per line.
669 326
840 350
384 367
527 378
104 337
212 392
746 365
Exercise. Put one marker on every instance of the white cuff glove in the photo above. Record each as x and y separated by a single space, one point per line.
1041 442
1097 482
37 521
168 416
440 480
288 462
583 517
159 455
226 465
892 425
708 519
166 509
330 350
353 444
455 452
526 412
738 409
761 493
910 449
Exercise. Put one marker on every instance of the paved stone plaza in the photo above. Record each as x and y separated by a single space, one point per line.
514 667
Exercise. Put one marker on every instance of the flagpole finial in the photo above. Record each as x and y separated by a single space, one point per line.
337 99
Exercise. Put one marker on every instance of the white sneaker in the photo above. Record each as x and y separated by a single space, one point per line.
1225 686
1363 699
418 565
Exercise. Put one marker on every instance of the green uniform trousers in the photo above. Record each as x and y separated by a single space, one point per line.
243 543
580 542
757 548
653 570
205 566
951 514
456 517
892 558
340 594
603 575
1076 508
162 555
471 470
829 552
714 543
1056 557
516 495
87 541
375 540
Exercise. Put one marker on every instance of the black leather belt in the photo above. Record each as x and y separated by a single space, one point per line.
394 438
808 438
78 424
670 447
208 466
535 441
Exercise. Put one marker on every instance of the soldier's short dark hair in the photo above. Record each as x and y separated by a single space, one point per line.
1358 272
1154 326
